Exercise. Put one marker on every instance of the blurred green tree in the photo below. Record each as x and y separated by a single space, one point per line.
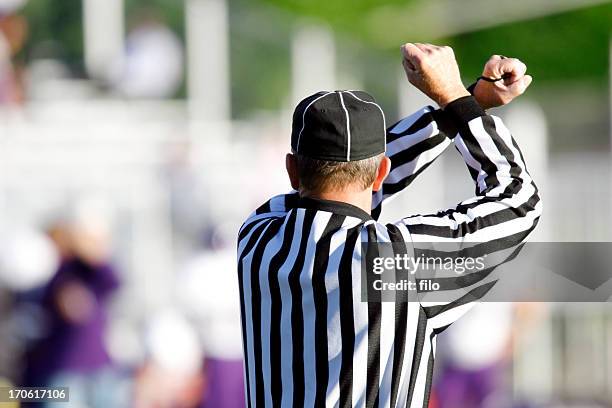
561 47
569 46
55 31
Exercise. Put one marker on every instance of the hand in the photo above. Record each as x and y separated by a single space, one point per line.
515 82
434 71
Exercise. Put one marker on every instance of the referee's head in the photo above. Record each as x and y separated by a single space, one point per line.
338 143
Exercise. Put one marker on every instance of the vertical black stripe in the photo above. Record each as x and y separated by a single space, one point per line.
374 314
473 171
417 354
479 155
489 125
249 245
430 366
378 209
256 307
291 200
401 317
319 293
276 308
297 317
347 320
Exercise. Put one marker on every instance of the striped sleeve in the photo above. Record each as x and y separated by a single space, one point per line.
504 210
413 144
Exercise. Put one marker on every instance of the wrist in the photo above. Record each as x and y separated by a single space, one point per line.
452 95
482 95
464 109
472 88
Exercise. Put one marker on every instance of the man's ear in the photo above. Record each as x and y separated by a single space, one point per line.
383 171
291 166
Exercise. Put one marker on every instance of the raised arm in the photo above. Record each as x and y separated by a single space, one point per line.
506 202
490 226
413 144
506 206
418 140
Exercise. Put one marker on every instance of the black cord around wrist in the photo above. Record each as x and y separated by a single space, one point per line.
472 87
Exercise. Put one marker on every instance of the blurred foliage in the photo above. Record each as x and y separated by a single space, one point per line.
170 12
344 14
260 39
55 31
562 47
570 46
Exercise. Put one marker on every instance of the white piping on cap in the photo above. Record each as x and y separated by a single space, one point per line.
348 128
297 147
381 111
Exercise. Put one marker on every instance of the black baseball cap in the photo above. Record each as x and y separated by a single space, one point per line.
338 126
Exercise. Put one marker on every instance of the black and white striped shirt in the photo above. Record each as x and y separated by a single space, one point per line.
309 339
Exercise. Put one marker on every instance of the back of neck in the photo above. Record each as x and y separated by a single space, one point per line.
361 199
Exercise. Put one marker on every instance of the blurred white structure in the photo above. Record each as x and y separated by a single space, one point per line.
103 25
313 61
208 289
208 60
529 127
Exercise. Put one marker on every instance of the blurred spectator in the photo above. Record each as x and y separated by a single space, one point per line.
28 259
13 32
172 374
208 288
189 200
72 352
475 368
7 340
152 66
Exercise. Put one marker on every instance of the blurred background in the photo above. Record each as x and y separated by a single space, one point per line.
136 135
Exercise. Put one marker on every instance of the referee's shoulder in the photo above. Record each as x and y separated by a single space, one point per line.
255 223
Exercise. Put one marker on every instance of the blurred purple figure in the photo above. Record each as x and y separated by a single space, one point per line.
473 374
224 385
75 301
71 351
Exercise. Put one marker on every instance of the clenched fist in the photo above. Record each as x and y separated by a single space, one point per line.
498 93
434 71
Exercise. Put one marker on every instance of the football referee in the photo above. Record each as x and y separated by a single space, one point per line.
309 338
